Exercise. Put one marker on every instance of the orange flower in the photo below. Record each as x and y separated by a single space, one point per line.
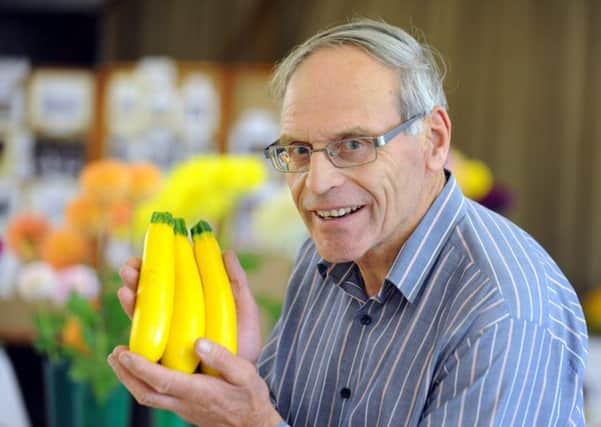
25 233
106 180
120 214
71 335
63 247
145 178
84 214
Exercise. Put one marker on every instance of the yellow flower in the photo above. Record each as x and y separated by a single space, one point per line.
591 304
205 186
473 176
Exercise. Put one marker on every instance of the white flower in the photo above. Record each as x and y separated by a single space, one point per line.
277 224
36 281
80 279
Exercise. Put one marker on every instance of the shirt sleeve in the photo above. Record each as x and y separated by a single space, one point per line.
514 372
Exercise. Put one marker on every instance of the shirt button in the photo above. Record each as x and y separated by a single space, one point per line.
345 392
365 319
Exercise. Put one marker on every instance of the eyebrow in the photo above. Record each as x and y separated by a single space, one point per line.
347 133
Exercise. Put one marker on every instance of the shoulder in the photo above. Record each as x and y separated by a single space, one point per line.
508 258
520 281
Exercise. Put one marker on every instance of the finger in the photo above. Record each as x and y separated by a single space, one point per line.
134 262
130 272
233 369
161 379
127 298
247 310
143 394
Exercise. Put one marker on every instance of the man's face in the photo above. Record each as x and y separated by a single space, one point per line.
340 92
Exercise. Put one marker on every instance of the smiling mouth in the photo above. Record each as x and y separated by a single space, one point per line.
337 213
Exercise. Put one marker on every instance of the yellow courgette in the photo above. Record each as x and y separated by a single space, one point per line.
154 301
219 301
188 321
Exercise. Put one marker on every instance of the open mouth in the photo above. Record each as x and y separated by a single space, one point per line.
338 213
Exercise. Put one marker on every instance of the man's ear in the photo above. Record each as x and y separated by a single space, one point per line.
439 138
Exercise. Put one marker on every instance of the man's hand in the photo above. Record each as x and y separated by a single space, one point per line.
238 398
247 311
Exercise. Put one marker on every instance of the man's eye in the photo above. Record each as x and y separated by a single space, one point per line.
352 145
299 150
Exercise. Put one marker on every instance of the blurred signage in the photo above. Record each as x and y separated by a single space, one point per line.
61 103
58 157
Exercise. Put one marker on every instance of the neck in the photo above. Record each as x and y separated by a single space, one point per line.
375 265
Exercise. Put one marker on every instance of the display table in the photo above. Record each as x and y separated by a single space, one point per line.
16 316
16 321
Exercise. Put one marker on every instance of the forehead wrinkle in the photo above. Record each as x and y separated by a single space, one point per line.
355 131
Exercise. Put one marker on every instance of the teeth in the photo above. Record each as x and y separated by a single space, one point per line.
335 213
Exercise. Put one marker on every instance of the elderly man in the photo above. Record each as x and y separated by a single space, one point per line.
410 304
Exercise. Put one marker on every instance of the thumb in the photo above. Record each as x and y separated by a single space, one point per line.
247 311
233 369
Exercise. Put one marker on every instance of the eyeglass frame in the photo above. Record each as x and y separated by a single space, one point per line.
378 141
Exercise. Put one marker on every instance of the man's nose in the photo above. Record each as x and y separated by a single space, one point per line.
322 174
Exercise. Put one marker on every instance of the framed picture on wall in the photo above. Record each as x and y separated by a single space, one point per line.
61 102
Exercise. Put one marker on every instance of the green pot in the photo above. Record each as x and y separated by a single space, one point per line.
60 394
163 418
72 404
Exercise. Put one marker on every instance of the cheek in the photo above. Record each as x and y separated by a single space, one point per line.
295 185
392 191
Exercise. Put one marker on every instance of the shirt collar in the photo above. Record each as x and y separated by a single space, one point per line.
420 251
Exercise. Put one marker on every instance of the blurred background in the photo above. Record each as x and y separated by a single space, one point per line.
110 109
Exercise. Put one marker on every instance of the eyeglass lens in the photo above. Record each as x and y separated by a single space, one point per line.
344 153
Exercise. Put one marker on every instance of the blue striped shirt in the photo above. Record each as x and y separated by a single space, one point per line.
475 325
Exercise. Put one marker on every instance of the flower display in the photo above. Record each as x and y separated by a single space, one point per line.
205 186
65 273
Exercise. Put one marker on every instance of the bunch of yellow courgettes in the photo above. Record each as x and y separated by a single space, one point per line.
183 293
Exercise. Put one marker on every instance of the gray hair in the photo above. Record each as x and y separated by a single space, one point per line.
421 87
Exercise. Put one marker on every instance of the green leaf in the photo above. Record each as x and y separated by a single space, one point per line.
249 261
48 325
82 309
271 306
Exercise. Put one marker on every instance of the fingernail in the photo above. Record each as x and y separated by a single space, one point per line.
203 346
125 359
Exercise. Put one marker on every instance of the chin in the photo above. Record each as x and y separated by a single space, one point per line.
337 252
